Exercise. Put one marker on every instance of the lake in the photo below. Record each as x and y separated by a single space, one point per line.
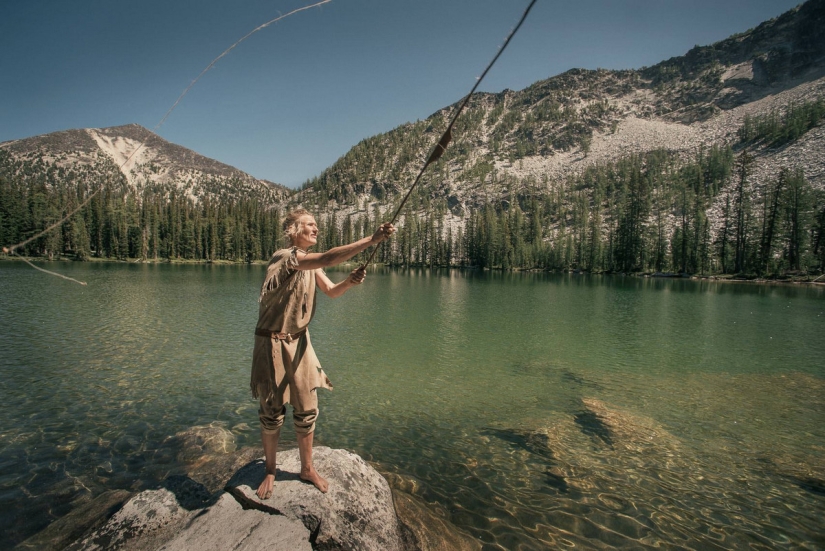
533 411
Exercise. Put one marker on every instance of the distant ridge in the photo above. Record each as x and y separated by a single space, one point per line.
558 127
157 161
712 163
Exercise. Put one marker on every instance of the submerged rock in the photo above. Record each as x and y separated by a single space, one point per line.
424 527
626 430
215 471
65 530
198 443
208 454
424 531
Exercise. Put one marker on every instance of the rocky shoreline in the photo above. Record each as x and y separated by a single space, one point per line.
214 506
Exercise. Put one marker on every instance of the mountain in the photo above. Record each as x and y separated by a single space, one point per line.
708 163
562 125
139 196
711 162
146 160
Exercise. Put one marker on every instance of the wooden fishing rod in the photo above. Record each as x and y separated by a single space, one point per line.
442 144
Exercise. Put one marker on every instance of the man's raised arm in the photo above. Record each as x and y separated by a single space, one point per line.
336 255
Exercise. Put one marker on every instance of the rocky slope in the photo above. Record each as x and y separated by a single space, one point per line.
537 137
145 159
533 148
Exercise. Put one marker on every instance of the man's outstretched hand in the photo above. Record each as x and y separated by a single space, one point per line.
383 232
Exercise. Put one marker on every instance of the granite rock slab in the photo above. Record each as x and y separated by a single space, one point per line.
227 525
356 513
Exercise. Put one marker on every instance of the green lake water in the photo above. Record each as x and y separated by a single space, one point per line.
533 411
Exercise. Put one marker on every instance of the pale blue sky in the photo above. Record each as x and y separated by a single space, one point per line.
289 101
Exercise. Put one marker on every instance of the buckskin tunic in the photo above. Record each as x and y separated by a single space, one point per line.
286 370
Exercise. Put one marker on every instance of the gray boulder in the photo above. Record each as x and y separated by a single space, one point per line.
227 525
356 513
145 521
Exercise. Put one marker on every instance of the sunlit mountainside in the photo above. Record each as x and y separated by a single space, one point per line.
145 159
559 126
707 163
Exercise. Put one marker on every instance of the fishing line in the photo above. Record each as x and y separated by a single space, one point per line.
47 271
11 248
445 139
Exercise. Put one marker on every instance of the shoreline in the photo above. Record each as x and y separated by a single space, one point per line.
722 278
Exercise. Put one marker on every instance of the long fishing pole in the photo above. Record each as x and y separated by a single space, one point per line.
447 136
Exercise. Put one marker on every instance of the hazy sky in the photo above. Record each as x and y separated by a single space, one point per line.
290 100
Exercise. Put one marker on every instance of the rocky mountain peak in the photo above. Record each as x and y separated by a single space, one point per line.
145 159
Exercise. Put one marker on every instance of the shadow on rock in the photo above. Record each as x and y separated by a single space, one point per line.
533 442
593 426
569 377
191 495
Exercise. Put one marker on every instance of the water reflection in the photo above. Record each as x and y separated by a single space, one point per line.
535 410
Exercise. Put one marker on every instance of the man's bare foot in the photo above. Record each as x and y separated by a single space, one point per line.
314 478
265 489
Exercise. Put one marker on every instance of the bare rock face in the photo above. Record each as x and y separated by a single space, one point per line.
226 525
143 520
356 513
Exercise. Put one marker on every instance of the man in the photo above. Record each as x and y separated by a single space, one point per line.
285 369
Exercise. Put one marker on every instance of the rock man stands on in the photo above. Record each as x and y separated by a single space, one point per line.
285 369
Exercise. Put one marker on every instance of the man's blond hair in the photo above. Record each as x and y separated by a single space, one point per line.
292 224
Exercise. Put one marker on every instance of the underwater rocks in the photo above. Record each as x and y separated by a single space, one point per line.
65 530
424 527
623 477
201 442
626 430
209 454
424 531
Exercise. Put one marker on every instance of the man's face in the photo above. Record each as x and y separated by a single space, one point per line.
307 235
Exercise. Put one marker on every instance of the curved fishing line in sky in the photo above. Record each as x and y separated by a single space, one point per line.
11 248
232 47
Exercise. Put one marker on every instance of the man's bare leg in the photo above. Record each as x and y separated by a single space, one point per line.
270 441
308 471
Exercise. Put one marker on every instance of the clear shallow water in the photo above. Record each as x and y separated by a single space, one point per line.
531 410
